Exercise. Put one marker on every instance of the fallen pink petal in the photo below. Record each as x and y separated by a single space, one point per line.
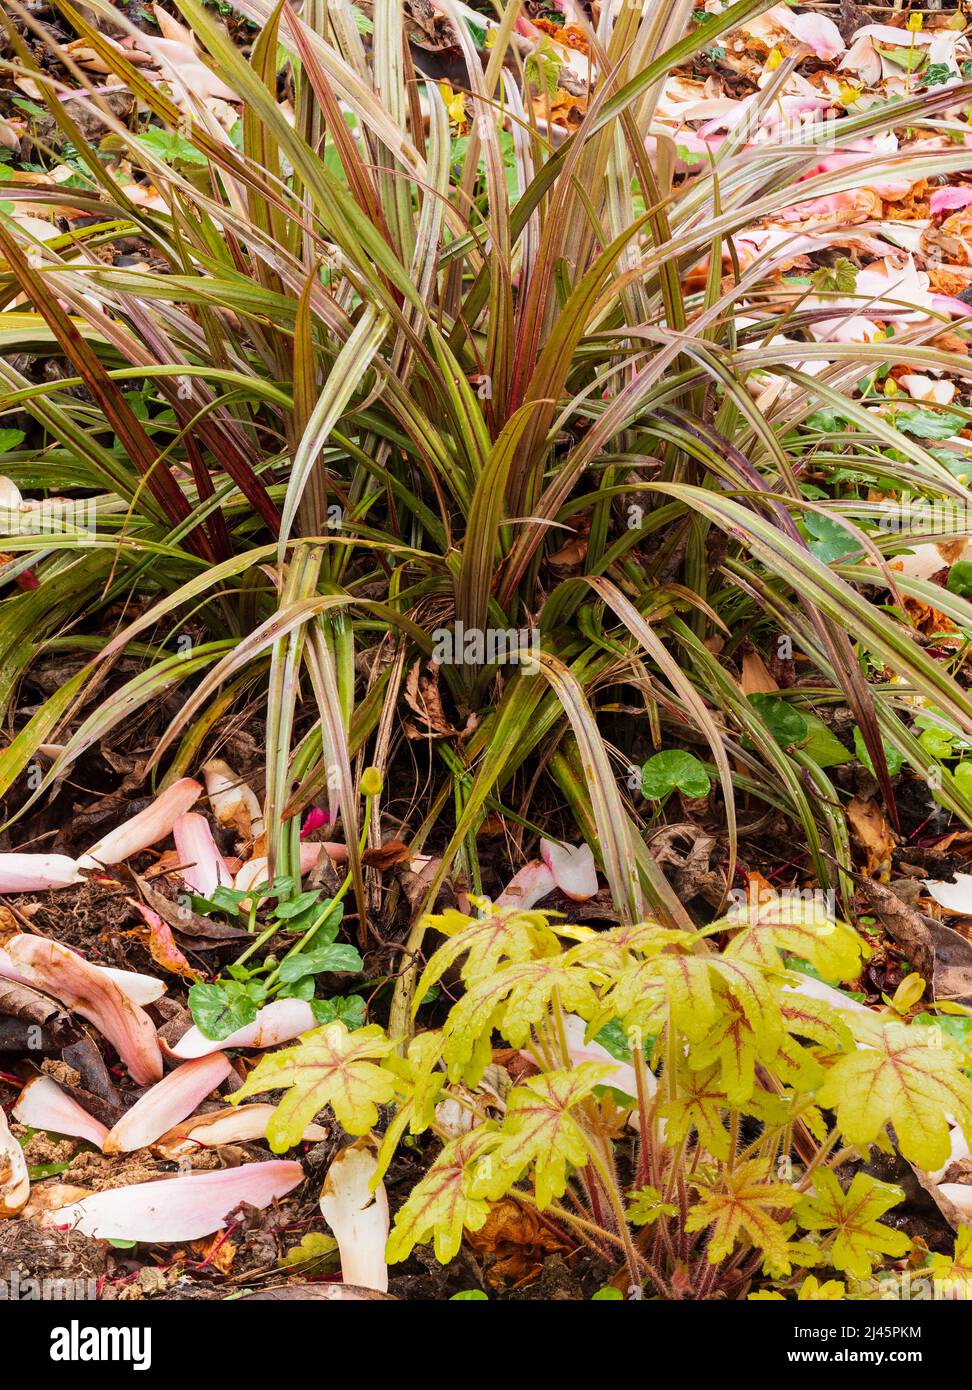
818 32
51 967
42 1104
254 871
527 886
145 829
140 989
234 803
33 873
572 867
357 1212
278 1022
314 819
14 1176
948 199
180 1208
167 1103
237 1124
202 866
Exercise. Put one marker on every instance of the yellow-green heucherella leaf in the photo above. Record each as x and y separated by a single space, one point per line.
780 1259
328 1066
733 1046
743 1201
830 1291
501 934
511 1000
698 994
612 949
797 928
647 1205
700 1103
672 985
443 1204
907 1076
539 1129
806 1017
796 1065
953 1273
418 1084
748 1028
856 1236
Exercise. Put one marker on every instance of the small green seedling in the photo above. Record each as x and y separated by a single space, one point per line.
674 769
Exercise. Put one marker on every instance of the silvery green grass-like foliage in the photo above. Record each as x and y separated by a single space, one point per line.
384 351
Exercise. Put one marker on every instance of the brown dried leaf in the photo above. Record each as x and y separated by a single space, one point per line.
215 1251
186 922
685 851
942 956
422 695
157 936
386 856
872 832
415 879
20 1001
756 678
517 1240
571 555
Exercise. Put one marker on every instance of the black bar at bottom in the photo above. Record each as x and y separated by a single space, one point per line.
227 1337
